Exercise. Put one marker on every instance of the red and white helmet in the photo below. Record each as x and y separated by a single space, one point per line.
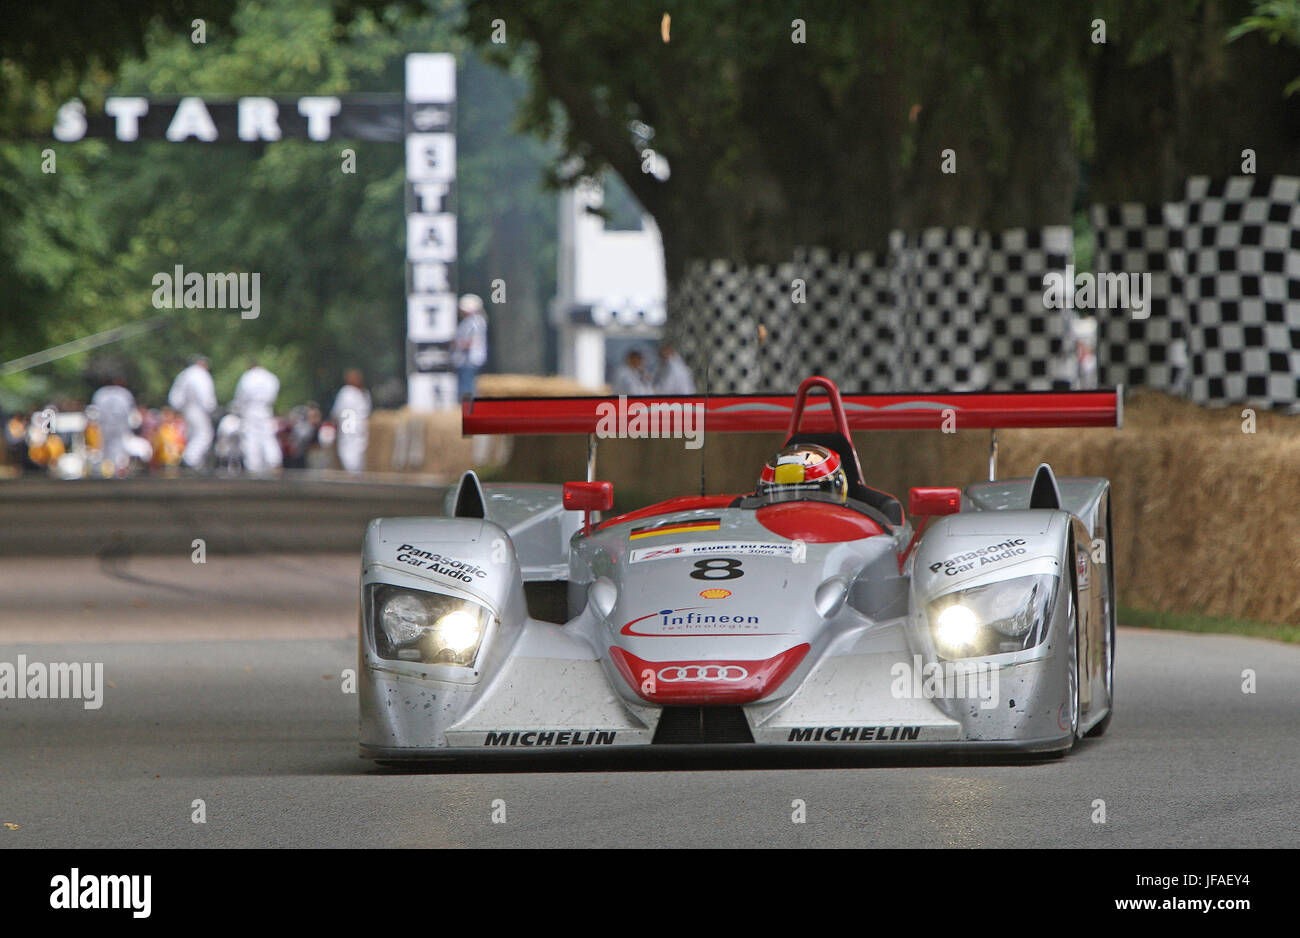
803 469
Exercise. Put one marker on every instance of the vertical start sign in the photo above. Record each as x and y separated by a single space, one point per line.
425 119
431 317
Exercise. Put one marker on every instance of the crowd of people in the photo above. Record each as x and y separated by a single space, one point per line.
113 437
635 375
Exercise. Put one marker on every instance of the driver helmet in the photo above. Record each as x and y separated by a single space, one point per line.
803 469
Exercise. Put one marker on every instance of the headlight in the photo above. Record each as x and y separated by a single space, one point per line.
993 619
404 617
412 625
956 626
457 631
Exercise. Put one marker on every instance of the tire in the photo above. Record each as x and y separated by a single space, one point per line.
1070 722
1111 614
1100 729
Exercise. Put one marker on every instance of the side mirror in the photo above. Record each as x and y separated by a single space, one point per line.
926 501
588 497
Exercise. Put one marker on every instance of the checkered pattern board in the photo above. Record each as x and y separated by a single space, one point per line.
871 333
1150 352
1243 290
1225 316
944 309
714 322
847 327
940 297
1030 347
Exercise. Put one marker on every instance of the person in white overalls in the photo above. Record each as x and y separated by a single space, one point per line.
114 406
194 395
254 402
351 413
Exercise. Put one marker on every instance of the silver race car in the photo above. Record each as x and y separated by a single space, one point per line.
814 611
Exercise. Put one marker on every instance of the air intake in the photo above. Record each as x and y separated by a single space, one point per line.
711 725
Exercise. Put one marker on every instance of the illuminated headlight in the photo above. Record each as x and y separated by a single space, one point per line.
457 631
412 625
994 618
956 626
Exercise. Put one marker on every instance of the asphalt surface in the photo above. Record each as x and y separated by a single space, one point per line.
302 510
224 684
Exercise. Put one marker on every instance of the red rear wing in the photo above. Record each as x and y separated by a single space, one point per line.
760 413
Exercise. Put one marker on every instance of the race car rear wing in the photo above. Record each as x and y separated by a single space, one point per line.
767 413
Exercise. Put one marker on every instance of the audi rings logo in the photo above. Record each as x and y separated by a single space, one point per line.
695 673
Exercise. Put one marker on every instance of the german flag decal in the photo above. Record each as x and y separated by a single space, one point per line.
676 527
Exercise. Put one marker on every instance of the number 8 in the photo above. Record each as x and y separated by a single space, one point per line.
717 568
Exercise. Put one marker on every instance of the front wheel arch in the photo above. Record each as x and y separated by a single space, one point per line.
1112 609
1068 717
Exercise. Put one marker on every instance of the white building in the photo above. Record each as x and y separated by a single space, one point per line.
610 288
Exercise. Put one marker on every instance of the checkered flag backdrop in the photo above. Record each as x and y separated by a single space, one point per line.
943 309
1030 347
939 273
1225 278
1243 290
1150 352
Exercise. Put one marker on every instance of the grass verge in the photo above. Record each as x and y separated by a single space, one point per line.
1194 622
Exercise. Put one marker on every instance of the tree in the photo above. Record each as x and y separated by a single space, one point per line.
833 141
49 49
1172 98
329 246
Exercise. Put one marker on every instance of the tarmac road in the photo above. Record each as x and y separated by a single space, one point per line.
225 687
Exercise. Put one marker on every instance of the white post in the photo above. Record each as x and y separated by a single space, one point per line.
430 125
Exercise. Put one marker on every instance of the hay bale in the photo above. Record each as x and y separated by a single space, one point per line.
532 386
1204 514
430 444
1201 510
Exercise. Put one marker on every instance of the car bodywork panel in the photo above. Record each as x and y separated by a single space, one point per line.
832 636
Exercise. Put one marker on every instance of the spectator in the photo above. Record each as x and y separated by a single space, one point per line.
469 348
254 402
632 378
114 407
16 440
301 435
673 377
168 440
194 396
351 413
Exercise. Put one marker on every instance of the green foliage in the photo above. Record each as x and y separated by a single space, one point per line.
79 248
1199 622
771 143
1277 21
51 50
774 142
